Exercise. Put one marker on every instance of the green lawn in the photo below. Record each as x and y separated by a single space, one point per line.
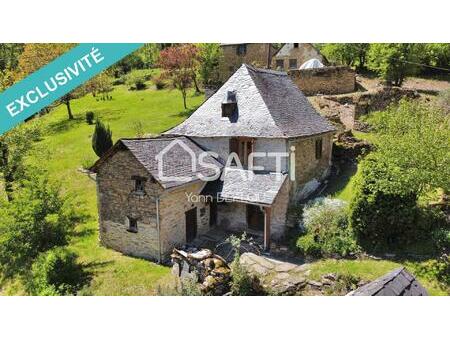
68 143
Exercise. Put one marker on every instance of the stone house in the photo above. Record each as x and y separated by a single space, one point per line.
245 154
234 55
293 55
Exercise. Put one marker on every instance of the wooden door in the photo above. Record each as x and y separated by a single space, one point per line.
191 224
255 217
213 213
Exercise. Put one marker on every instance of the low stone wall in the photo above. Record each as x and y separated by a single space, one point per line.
327 80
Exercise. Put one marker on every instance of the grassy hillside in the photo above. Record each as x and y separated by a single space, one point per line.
67 144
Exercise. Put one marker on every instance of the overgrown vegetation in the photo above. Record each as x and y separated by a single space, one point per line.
326 232
390 206
56 273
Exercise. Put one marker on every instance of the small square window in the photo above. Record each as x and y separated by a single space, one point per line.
132 224
295 45
241 49
139 184
292 63
280 64
318 149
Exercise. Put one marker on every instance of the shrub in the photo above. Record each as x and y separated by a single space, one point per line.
326 229
37 219
90 117
56 272
441 239
136 80
435 269
101 139
159 82
242 283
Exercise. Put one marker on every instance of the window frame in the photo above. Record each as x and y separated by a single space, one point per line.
290 64
130 227
241 49
279 64
139 184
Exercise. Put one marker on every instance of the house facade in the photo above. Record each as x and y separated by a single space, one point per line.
268 147
234 55
292 55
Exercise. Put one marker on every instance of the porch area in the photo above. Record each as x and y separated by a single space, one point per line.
245 201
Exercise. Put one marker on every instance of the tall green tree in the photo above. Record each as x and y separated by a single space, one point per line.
14 147
101 139
349 54
209 58
393 61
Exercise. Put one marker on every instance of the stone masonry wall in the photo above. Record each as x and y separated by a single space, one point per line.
256 55
173 205
327 80
117 200
279 211
307 167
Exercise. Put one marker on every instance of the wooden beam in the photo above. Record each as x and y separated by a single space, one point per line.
267 212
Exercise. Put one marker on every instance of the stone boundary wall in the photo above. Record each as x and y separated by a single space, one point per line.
327 80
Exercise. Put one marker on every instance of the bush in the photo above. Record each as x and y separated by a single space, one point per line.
90 117
56 272
136 80
326 230
441 239
159 82
37 219
101 139
435 269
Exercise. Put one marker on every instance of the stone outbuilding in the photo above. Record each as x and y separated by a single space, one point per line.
293 55
236 163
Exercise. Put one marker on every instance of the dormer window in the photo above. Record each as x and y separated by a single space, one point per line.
229 104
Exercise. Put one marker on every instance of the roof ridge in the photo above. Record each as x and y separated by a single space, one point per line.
264 70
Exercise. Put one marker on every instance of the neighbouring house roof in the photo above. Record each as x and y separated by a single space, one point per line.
311 64
287 49
246 186
269 105
398 282
178 154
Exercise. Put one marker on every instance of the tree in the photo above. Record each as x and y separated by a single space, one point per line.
37 219
14 146
37 55
100 84
179 64
435 55
410 164
101 139
9 55
209 58
393 61
349 54
413 139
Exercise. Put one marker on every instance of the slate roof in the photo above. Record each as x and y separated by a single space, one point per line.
246 186
269 104
177 161
398 282
287 48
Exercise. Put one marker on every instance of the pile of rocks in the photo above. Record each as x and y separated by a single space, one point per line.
349 147
210 270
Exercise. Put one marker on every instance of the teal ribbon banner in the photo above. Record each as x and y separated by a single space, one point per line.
58 78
